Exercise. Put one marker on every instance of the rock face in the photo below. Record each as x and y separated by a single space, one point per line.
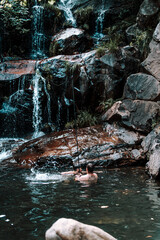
142 86
134 114
108 146
69 41
94 78
148 12
151 63
70 229
151 146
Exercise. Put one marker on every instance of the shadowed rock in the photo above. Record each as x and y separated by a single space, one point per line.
142 86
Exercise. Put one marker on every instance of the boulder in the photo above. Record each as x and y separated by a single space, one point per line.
135 114
103 146
69 41
142 86
94 78
151 63
70 229
151 146
148 13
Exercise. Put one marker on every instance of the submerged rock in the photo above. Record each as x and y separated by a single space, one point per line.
70 229
103 146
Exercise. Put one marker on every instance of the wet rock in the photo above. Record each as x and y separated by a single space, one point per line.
148 13
94 78
70 229
11 70
142 86
107 146
151 146
135 114
69 41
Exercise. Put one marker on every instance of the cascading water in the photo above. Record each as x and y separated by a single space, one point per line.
38 38
99 24
66 6
39 83
37 111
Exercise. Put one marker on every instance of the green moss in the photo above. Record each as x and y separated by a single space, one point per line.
54 49
105 105
84 119
84 16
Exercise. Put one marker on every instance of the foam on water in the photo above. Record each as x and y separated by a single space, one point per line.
37 177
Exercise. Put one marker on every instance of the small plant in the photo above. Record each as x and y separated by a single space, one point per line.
100 51
105 105
112 45
54 49
84 119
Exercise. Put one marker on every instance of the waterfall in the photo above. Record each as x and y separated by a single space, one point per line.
99 23
48 104
39 83
38 38
66 6
59 114
37 110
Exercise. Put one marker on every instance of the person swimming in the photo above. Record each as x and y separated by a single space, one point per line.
90 176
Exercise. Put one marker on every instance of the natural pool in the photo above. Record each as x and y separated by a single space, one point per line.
124 202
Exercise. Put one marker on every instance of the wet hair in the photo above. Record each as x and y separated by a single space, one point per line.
90 167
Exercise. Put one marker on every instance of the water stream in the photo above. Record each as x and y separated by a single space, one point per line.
123 202
99 23
66 6
38 38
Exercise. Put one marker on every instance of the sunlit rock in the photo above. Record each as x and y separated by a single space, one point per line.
70 41
70 229
151 146
134 114
151 63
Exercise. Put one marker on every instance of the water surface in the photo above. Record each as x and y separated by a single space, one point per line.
124 202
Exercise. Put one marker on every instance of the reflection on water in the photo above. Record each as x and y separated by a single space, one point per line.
124 203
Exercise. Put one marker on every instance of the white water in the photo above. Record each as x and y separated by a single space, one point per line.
38 38
39 82
66 6
99 23
37 177
37 110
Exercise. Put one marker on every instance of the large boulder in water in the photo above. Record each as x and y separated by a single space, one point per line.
103 146
151 146
69 41
70 229
135 114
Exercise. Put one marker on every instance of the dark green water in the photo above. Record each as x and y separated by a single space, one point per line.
125 203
